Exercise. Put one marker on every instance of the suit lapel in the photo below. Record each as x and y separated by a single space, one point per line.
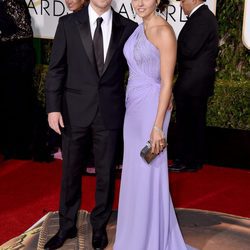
85 34
116 35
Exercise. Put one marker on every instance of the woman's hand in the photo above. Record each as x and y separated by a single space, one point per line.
157 140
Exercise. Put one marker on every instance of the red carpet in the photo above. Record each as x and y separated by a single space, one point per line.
28 190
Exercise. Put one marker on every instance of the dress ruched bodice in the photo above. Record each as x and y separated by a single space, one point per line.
142 57
144 66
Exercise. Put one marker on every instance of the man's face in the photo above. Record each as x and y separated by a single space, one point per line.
100 6
188 6
74 5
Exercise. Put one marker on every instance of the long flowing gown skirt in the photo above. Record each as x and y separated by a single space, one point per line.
146 216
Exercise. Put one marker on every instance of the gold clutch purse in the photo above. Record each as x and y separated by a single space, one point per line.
146 153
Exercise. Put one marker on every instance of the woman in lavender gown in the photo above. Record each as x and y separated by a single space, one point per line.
146 216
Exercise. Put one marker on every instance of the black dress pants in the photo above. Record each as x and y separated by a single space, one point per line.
74 140
190 128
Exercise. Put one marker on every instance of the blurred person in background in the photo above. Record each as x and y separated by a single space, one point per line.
196 61
75 5
16 76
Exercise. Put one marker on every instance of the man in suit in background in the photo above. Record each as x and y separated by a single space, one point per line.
196 62
85 96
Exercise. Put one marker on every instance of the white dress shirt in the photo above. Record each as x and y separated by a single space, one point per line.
194 9
106 26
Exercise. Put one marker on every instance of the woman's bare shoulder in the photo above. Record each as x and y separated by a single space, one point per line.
162 33
161 28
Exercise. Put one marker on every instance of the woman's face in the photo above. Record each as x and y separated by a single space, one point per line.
144 8
74 5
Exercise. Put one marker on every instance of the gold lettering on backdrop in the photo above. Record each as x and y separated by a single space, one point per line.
37 2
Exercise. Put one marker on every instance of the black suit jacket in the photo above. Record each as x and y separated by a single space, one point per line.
73 86
196 54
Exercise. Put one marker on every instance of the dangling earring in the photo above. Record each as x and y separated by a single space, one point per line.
157 11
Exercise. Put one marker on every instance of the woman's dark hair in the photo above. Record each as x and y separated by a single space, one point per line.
163 5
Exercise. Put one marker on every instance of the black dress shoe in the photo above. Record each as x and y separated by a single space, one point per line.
177 166
175 162
58 240
181 167
193 167
99 239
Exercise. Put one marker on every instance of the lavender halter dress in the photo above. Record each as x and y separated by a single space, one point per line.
146 216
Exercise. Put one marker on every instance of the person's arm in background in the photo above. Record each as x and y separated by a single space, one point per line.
19 14
7 23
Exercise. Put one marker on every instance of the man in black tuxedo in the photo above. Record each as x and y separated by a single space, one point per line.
196 61
85 96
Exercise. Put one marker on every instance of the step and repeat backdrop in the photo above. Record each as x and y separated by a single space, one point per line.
45 14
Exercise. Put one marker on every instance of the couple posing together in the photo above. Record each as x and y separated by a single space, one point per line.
85 95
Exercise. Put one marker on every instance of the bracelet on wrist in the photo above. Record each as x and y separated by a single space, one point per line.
159 130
